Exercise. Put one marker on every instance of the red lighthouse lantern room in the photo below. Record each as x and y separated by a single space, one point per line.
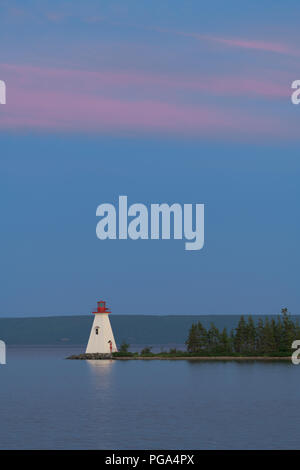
101 307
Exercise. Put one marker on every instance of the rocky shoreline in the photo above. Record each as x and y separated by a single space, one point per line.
92 356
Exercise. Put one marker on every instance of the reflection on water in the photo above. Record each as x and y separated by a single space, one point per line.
101 371
102 366
47 402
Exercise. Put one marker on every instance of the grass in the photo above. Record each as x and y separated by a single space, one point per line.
186 354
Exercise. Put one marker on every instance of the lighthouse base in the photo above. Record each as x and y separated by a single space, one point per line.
91 356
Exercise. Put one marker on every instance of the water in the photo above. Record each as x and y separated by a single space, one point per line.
47 402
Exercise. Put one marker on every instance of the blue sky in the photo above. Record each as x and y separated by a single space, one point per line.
178 102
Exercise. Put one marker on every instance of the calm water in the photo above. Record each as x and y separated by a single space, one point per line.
48 402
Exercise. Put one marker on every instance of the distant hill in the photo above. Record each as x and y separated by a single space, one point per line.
134 329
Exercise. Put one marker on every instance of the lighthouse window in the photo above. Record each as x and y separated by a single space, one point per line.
97 331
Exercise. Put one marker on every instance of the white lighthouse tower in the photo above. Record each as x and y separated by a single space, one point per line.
101 338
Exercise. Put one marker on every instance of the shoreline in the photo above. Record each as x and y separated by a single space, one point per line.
85 357
209 358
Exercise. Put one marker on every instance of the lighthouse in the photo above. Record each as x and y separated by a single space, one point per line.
101 338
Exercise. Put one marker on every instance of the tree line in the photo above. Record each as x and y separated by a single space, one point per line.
268 336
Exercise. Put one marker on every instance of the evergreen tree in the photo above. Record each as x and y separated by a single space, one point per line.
266 337
213 338
251 335
297 330
231 339
269 345
192 341
279 335
276 331
288 330
240 336
260 336
202 337
225 343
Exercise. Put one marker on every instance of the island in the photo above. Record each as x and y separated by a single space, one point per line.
263 339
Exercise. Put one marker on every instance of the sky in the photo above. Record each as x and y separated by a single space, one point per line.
168 101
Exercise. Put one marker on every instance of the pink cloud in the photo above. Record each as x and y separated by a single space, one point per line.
118 82
73 100
251 44
254 44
